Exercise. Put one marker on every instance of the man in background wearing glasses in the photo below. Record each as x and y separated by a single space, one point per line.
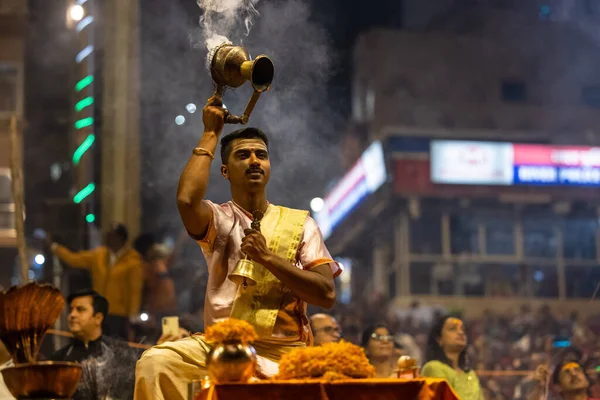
325 329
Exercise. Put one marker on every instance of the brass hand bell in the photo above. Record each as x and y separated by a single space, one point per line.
245 271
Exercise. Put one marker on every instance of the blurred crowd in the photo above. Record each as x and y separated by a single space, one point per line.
504 349
499 352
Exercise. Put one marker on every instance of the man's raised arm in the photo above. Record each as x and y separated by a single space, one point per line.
194 212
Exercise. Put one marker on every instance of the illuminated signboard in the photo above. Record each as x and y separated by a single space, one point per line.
488 163
556 165
365 177
471 163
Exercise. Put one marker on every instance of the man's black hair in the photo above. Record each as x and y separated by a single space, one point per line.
144 242
244 133
435 352
559 367
120 230
99 302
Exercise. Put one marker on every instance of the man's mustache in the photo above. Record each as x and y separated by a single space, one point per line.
254 171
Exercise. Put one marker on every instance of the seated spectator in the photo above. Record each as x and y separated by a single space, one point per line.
378 343
108 364
569 379
87 312
325 329
446 358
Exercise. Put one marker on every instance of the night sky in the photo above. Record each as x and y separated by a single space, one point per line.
345 23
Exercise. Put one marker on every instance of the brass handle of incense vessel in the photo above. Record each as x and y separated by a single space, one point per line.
242 119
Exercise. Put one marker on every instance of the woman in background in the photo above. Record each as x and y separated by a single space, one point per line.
378 343
446 358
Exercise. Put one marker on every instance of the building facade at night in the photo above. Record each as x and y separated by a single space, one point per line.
13 15
105 132
79 172
486 133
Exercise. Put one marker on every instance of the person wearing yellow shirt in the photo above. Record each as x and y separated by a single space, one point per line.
117 274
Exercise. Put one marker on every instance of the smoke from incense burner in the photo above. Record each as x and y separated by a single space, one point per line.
223 19
110 376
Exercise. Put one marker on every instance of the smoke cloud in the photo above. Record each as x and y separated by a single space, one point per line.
110 376
224 19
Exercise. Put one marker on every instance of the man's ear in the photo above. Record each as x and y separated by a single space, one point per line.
225 172
99 317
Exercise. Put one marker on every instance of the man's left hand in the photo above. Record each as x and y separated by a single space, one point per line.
254 245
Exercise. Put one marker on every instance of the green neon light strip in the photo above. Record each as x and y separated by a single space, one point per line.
88 101
82 123
82 84
83 193
83 147
90 218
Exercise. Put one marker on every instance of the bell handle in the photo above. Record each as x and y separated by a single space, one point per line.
229 118
234 119
250 106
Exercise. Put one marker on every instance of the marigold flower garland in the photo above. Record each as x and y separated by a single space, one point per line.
229 330
330 361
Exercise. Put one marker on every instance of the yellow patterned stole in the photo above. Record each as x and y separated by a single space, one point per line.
259 304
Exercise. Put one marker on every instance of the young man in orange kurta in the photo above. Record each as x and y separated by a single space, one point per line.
117 274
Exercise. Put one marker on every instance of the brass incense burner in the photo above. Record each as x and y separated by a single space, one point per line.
26 314
42 380
231 361
245 272
231 66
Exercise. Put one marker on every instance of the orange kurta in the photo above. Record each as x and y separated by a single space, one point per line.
120 283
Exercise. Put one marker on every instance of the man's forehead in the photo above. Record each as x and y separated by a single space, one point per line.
325 325
570 366
454 322
324 320
248 144
82 300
